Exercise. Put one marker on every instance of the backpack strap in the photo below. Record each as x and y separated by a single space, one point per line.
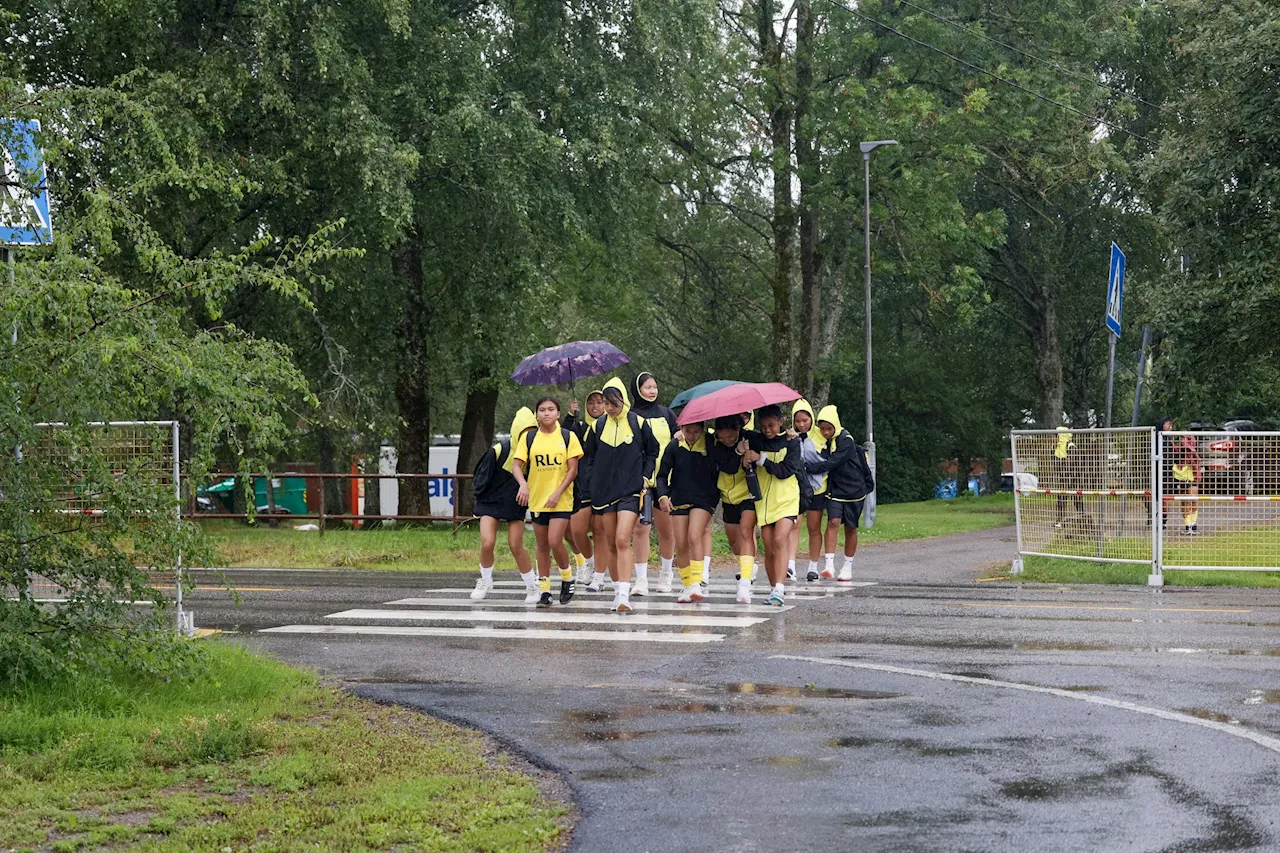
504 452
533 433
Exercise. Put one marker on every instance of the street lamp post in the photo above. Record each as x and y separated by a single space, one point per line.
869 515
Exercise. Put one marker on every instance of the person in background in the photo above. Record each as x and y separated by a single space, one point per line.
688 488
1065 466
496 491
778 463
662 422
551 456
849 481
622 456
580 525
802 422
1182 461
739 508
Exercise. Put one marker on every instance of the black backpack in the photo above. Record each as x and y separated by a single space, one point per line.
802 477
868 479
482 479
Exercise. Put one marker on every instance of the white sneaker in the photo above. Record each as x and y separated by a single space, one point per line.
690 594
597 583
744 591
828 574
483 588
621 604
640 588
775 598
791 573
846 573
665 580
584 574
532 593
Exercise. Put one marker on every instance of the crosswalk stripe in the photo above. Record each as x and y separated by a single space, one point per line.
548 616
598 604
730 584
760 591
488 632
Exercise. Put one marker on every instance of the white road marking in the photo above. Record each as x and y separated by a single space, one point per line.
760 591
727 585
1262 740
487 632
597 604
551 616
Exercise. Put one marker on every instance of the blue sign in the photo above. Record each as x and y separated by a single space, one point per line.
24 190
1115 290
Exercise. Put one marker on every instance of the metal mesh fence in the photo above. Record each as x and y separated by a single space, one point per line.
1084 494
1221 500
143 454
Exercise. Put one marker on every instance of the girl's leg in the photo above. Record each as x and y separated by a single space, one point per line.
580 525
542 544
793 544
515 541
680 530
558 528
733 532
850 542
666 534
813 520
488 539
1191 509
640 542
625 523
699 536
609 540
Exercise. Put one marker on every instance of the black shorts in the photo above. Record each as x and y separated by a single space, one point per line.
846 512
503 512
580 503
543 519
684 510
629 504
733 512
817 503
1174 486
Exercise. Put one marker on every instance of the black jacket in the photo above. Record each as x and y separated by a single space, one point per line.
689 477
849 475
620 457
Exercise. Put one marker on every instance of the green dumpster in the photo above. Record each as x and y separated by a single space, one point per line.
289 493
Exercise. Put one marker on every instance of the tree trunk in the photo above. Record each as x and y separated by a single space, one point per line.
477 434
413 370
782 220
808 171
831 315
1047 351
964 468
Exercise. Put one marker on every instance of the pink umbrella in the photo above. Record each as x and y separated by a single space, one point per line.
736 399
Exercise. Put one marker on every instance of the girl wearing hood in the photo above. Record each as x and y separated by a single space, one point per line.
622 455
662 422
739 508
688 489
496 491
778 463
580 525
551 456
802 421
849 481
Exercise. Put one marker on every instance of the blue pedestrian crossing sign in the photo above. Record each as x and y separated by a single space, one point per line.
1115 290
24 191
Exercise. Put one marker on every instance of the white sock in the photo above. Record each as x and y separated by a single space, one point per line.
706 566
848 562
486 573
642 571
591 562
668 563
813 565
791 565
530 578
755 569
831 561
780 588
597 577
623 588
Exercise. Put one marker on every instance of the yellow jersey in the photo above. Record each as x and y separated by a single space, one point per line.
546 463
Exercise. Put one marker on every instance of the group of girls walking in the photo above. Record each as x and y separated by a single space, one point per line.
603 483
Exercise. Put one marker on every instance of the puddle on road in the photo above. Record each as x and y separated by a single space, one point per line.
809 691
614 774
973 673
1206 714
597 735
1083 688
928 750
1263 697
631 712
792 762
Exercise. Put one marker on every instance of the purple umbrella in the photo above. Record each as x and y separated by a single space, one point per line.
568 362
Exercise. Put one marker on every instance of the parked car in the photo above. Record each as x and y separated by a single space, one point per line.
1237 464
1025 481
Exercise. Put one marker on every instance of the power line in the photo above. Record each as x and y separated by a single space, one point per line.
1032 92
1050 63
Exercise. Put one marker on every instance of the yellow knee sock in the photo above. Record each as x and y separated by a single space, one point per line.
745 564
579 560
567 574
544 584
1192 516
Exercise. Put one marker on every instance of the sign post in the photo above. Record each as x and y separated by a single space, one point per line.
1115 304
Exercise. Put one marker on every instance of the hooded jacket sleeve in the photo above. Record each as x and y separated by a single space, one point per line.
726 458
842 454
787 467
649 446
866 470
663 484
587 463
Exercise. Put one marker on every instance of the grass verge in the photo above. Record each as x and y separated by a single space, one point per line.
251 754
436 548
1055 570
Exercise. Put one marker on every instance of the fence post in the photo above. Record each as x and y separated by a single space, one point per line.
1017 567
1156 578
323 491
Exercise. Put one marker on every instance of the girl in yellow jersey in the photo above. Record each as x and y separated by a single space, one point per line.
778 462
802 423
662 422
551 456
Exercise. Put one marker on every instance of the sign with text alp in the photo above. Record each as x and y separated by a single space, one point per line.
24 190
1115 290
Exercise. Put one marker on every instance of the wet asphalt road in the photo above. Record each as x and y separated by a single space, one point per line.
738 745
